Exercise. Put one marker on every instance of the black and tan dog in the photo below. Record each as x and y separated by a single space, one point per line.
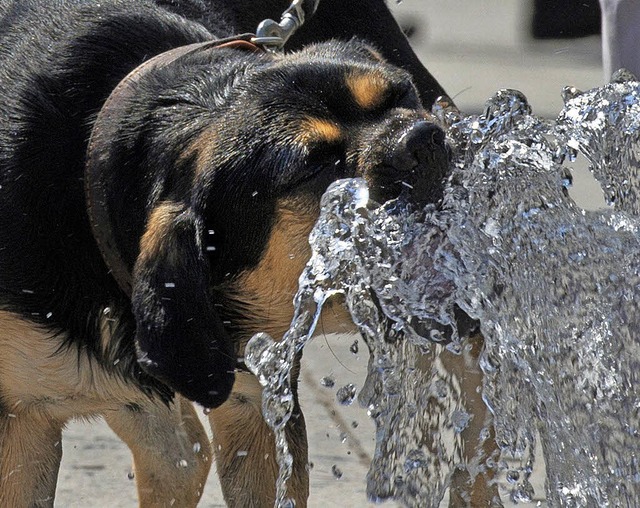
140 270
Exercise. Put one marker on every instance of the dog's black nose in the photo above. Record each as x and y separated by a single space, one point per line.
421 160
416 145
408 159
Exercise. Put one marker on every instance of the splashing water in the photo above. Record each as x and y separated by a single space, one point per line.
553 286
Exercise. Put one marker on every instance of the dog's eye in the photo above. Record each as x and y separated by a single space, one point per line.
326 162
405 97
401 95
325 156
329 157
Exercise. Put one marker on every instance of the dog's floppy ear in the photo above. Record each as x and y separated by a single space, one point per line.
180 339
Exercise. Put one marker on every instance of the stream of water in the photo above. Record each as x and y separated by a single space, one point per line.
554 287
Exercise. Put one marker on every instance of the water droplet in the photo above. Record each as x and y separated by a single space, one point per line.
131 475
259 355
416 459
523 493
328 381
476 136
337 472
460 420
569 93
374 411
393 383
346 394
513 476
354 347
623 76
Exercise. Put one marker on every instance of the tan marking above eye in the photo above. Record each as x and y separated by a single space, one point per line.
369 89
319 130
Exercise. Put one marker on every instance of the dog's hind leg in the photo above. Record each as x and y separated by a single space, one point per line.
30 453
244 447
171 451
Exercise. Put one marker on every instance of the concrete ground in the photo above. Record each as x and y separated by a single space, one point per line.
473 47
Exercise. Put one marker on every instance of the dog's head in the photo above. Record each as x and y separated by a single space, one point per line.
234 155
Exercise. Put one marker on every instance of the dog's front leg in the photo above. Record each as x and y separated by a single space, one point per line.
30 453
244 447
171 451
474 485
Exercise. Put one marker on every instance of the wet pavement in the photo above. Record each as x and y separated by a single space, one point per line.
473 47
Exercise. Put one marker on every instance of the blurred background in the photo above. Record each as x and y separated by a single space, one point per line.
473 48
476 47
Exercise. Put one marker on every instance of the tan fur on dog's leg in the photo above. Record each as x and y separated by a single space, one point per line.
171 451
474 486
30 453
244 447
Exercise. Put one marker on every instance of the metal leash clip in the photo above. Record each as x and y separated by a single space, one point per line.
272 36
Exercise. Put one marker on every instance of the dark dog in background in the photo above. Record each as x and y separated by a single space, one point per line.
209 175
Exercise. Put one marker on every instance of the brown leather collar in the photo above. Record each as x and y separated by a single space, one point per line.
103 132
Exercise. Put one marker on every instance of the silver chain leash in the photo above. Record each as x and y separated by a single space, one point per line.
272 36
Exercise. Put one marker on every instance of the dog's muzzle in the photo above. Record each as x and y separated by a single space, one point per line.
421 159
412 163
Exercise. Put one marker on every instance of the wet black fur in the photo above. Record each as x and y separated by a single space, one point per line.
58 63
59 60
